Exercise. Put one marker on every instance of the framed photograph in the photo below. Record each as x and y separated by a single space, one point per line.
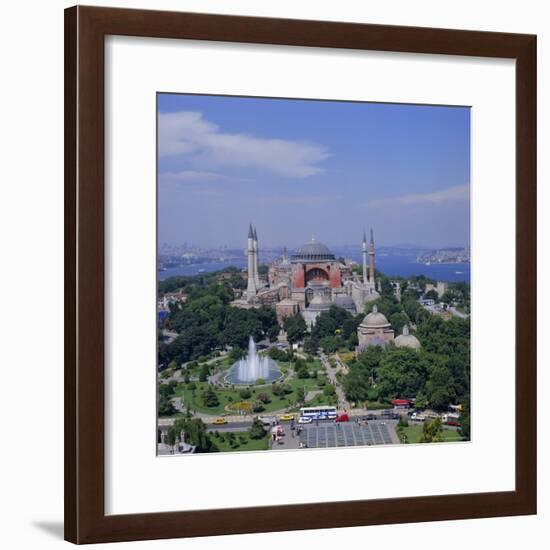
300 274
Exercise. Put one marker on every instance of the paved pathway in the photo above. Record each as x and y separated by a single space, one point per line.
331 375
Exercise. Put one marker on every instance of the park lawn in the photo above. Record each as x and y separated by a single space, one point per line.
414 432
250 445
228 396
321 399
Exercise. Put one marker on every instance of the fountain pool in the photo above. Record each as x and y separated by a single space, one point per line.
252 368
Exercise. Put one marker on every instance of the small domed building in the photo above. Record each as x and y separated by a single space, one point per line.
375 330
407 340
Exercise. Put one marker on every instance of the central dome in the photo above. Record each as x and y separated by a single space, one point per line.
375 319
313 251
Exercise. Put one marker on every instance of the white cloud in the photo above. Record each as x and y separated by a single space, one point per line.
189 135
457 193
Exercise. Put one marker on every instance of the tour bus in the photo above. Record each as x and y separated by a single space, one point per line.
323 412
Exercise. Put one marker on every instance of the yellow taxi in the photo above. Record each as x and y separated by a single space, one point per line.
219 421
286 417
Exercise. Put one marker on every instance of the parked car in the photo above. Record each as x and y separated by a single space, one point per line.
219 421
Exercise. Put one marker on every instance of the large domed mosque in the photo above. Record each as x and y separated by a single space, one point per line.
309 281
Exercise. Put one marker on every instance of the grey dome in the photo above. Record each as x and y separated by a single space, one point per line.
407 340
313 251
375 319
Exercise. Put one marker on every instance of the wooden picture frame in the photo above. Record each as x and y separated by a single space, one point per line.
85 30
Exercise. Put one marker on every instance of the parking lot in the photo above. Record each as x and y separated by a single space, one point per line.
347 434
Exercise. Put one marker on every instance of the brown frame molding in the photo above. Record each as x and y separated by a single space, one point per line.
85 29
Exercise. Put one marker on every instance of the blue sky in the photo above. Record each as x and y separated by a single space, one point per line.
302 168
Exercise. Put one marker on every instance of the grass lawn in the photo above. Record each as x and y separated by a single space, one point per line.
242 442
228 396
414 432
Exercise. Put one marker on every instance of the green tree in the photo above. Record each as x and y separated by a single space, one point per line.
172 436
402 373
245 393
165 406
464 429
432 432
196 434
330 344
236 353
440 387
256 431
311 345
398 321
277 354
210 397
264 397
280 390
356 383
204 373
295 328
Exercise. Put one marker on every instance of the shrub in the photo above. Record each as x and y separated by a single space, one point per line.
258 406
264 397
245 393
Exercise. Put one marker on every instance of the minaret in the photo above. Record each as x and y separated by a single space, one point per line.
251 287
256 274
371 257
364 254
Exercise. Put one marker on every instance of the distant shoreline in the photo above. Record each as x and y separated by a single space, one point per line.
391 266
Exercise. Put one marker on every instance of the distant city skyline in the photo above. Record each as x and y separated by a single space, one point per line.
303 168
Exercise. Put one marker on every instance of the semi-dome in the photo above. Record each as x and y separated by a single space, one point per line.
375 319
313 251
407 340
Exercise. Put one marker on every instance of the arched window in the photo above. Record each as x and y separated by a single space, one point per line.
316 274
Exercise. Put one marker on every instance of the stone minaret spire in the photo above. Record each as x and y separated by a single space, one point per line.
256 274
364 254
251 287
371 257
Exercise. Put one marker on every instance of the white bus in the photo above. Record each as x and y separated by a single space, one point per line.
323 412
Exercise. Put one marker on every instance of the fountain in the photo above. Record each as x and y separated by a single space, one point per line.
253 367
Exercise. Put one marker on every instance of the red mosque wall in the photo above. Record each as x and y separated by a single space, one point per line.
335 277
300 274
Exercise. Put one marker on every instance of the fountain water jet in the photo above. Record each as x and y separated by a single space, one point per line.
253 367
